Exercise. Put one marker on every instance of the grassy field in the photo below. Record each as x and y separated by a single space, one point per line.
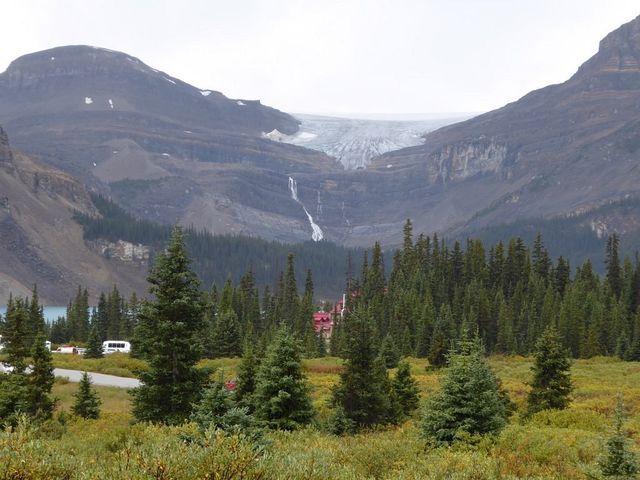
553 445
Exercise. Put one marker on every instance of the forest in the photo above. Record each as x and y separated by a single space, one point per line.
448 359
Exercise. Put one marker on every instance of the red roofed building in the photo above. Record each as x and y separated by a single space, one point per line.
323 323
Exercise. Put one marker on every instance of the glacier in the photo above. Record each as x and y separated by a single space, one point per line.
355 142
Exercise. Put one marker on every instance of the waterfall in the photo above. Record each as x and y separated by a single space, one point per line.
317 234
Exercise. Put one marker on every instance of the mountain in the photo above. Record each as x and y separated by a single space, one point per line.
41 243
162 148
560 151
563 157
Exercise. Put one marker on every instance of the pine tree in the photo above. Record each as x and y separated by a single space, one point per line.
469 403
216 401
614 277
36 321
226 335
441 341
172 325
406 388
389 352
247 373
361 398
619 462
87 403
551 385
41 380
94 344
282 397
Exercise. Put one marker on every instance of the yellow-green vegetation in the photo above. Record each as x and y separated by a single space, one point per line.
119 364
552 445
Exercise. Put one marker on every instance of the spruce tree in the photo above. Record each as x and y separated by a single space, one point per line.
172 345
361 399
36 323
247 373
619 462
216 401
41 380
469 403
94 344
406 388
389 352
87 403
226 335
282 397
551 385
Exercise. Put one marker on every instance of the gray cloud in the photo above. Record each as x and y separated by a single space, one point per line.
400 56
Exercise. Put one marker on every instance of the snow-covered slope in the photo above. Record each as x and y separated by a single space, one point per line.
354 142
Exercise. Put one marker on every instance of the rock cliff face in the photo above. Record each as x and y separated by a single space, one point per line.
162 148
39 240
559 150
170 152
6 156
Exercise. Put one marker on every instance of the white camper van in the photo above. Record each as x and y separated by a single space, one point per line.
111 346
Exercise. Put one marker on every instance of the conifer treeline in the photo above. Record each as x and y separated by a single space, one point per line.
435 294
114 318
217 258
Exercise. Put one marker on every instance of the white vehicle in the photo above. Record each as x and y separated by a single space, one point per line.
48 345
67 349
112 346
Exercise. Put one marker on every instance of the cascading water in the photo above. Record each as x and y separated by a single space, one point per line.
317 234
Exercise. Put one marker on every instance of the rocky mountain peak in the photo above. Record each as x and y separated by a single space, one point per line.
75 61
617 63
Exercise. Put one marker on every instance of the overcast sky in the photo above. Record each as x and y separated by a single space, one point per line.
324 56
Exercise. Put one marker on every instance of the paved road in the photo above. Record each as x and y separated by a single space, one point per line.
98 378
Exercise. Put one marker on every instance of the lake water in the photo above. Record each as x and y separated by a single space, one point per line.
50 313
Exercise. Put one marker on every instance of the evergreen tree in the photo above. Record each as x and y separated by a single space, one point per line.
87 403
216 401
469 403
406 388
172 324
389 352
41 380
226 335
361 398
36 323
614 274
282 397
440 342
247 373
94 344
14 333
551 385
619 462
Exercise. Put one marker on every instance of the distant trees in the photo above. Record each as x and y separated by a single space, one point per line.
170 339
113 317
